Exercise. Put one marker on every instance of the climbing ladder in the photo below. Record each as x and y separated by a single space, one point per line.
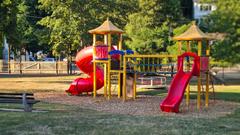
211 83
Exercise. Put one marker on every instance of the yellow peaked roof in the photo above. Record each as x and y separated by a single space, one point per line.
193 33
106 27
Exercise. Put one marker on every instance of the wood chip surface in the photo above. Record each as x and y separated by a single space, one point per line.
143 105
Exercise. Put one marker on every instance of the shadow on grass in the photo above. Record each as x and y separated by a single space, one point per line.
154 92
226 96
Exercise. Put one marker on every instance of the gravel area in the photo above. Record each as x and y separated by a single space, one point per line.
143 105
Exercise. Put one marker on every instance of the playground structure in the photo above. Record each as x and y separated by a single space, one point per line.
125 64
101 55
190 35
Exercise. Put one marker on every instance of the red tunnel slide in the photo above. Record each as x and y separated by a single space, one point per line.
84 62
179 83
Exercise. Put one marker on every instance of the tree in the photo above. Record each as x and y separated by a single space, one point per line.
187 8
8 20
225 19
69 21
150 28
35 34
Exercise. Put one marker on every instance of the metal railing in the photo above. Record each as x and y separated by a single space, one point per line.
138 64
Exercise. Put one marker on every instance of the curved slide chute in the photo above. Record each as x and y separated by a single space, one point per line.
179 83
84 62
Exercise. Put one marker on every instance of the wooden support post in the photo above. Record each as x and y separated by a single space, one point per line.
20 66
120 48
94 67
120 42
188 95
109 65
134 82
199 77
207 76
207 89
188 69
124 78
208 48
39 67
94 46
106 39
105 79
56 67
94 80
27 106
119 84
120 66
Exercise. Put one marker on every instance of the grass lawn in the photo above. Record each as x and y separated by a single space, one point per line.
69 119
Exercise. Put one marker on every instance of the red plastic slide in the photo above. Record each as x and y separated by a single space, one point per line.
84 62
179 83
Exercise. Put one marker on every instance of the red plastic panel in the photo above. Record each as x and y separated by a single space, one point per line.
101 52
204 63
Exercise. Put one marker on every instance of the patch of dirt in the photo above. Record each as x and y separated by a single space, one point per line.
143 105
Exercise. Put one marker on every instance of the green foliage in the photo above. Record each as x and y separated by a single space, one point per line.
187 8
18 23
144 39
69 21
35 35
173 49
149 28
226 20
8 13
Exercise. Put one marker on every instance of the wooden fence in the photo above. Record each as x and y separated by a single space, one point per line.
35 67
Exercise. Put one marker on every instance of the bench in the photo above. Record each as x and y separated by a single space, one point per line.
26 99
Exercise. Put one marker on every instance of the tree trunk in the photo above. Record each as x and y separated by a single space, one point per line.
70 51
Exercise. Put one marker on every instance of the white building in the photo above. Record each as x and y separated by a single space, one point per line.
201 9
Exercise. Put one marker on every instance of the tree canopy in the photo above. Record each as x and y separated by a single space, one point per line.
225 19
56 26
150 27
70 20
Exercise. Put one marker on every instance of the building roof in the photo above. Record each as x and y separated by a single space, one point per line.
106 27
192 33
217 36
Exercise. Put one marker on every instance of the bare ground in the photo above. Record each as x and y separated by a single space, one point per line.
143 105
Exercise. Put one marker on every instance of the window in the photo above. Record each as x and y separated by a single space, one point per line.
205 8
